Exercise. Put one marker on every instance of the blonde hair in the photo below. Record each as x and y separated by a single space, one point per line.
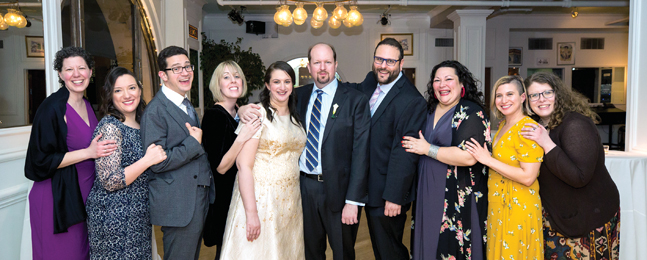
214 84
521 88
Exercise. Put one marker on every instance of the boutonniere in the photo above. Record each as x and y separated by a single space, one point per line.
334 111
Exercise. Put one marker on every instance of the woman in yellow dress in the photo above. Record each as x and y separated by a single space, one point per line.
514 227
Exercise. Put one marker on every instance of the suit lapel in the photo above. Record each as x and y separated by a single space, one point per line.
303 98
340 97
174 111
389 97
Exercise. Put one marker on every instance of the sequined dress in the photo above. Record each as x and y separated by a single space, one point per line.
278 197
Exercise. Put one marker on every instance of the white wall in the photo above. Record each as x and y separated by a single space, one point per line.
614 53
15 63
13 141
354 46
13 189
499 37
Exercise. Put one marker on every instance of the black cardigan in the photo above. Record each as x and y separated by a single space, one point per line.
47 147
575 187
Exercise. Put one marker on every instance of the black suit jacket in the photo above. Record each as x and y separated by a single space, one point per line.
393 171
344 147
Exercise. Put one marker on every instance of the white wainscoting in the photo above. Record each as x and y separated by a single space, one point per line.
13 189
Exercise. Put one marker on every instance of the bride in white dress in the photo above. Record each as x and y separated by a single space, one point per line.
265 219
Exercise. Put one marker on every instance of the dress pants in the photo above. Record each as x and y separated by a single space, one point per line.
184 242
319 221
386 233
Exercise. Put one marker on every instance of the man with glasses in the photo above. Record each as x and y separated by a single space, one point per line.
181 186
397 109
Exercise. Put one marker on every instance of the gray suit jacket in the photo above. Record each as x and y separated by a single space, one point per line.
173 183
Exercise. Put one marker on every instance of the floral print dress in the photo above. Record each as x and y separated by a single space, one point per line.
514 211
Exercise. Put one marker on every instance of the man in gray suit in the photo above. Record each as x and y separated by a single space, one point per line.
181 186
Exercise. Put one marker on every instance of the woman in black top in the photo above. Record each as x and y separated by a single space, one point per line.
222 145
580 200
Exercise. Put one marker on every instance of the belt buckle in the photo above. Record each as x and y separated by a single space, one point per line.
319 179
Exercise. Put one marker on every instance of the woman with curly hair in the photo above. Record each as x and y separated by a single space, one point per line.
581 202
60 161
450 210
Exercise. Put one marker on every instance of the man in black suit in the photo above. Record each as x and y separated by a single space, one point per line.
334 164
397 109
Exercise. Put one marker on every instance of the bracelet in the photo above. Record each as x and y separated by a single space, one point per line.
433 151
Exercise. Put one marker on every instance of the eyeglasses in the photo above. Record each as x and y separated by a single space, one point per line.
178 69
546 94
380 60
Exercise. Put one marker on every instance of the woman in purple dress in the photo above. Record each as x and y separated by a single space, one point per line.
451 204
60 162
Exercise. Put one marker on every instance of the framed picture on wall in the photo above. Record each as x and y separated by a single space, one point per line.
565 53
35 46
405 39
515 56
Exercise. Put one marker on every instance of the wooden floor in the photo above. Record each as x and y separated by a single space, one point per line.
363 248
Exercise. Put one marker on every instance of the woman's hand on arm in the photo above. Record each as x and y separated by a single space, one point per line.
154 154
538 134
247 131
95 150
526 174
245 163
447 155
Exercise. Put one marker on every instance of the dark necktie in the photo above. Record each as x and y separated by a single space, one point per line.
312 146
190 110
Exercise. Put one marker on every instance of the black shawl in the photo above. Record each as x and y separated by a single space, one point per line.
469 121
47 147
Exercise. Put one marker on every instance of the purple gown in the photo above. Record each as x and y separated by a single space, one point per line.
73 244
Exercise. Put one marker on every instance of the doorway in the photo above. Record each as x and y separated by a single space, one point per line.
585 81
36 91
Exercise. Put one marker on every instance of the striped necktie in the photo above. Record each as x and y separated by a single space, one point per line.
312 146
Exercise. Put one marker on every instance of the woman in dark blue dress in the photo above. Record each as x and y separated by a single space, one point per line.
118 218
451 204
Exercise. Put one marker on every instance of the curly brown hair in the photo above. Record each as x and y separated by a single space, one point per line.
566 99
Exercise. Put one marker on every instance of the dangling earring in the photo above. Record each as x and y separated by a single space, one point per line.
463 92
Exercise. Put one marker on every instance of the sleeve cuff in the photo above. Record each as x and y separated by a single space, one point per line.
355 203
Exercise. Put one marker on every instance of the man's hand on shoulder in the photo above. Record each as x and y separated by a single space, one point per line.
248 113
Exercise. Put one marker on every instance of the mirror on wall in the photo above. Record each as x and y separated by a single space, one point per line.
113 35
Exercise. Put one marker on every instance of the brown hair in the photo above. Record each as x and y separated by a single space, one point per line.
518 82
565 99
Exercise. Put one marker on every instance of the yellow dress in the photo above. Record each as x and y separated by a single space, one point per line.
514 227
278 197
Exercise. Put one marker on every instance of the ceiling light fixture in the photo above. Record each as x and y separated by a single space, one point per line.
319 15
574 12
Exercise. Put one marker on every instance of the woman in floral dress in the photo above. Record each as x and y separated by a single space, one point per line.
514 210
450 210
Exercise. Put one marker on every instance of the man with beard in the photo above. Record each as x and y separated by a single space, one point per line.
397 109
334 165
